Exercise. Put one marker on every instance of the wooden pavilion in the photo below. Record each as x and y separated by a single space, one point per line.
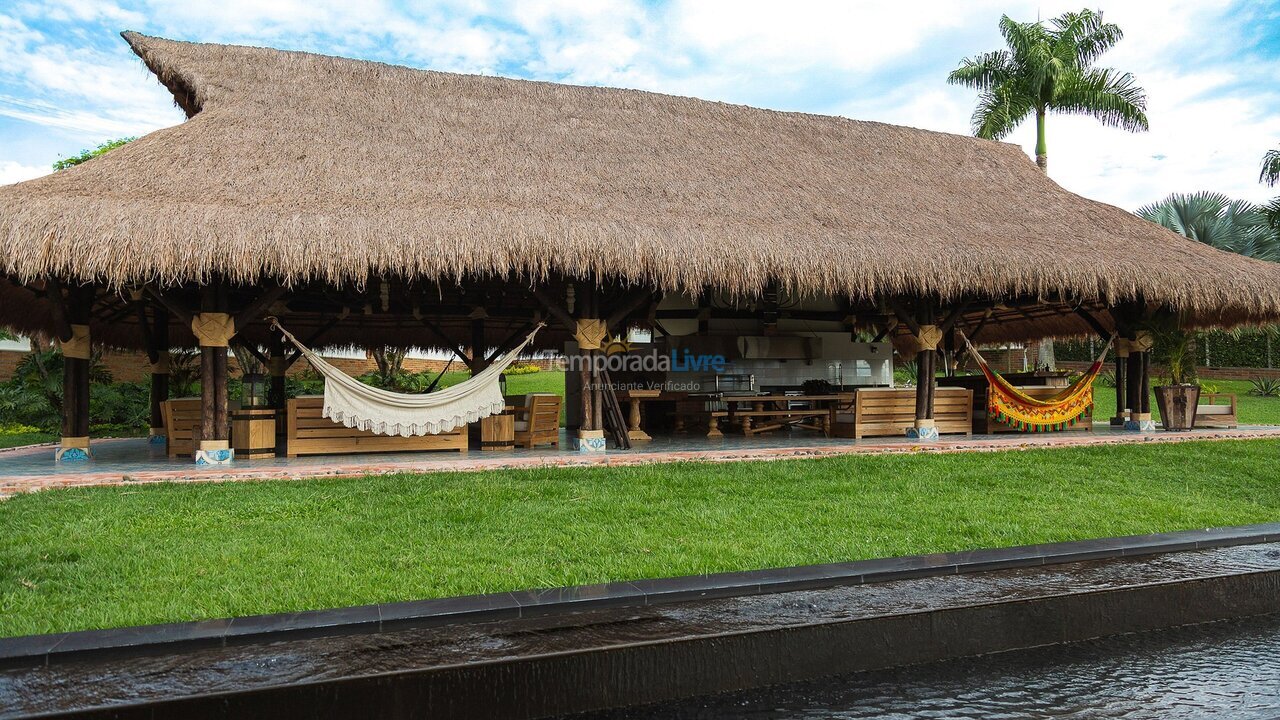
376 205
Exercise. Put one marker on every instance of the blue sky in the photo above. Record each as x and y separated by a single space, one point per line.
1212 69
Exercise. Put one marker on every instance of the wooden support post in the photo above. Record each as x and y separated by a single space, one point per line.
1140 384
1122 392
926 335
221 419
214 329
277 365
584 379
76 358
479 358
1133 403
159 372
277 395
1144 390
922 385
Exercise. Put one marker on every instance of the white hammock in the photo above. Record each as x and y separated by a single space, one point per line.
352 403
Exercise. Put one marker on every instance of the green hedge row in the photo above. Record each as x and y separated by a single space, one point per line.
1216 348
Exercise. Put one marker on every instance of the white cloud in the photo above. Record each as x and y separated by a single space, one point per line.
77 88
12 172
81 11
1212 110
782 38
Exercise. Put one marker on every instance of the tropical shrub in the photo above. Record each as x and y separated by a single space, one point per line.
905 373
91 153
306 382
1174 351
120 404
1265 387
184 373
527 369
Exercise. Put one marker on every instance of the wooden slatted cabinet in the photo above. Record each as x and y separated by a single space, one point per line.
308 433
888 412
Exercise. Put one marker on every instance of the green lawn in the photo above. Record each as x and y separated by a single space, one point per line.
20 439
548 381
103 557
1251 410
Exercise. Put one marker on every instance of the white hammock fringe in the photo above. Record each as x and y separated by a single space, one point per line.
353 404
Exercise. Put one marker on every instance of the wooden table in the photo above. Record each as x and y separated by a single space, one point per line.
634 398
772 410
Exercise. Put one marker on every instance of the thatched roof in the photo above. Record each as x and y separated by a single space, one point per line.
306 167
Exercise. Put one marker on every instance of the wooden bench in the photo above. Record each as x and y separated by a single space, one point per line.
888 412
309 433
181 418
1214 414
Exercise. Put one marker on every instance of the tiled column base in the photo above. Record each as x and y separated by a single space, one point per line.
156 436
73 448
924 430
214 452
1140 422
589 441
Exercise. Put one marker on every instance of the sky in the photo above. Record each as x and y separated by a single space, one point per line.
1211 69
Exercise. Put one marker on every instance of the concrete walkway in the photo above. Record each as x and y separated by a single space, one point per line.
133 461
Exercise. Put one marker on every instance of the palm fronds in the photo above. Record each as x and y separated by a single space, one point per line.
1214 219
1270 173
1047 68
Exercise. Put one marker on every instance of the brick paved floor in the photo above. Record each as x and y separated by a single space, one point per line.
133 461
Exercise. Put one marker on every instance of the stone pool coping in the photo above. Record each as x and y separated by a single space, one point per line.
35 650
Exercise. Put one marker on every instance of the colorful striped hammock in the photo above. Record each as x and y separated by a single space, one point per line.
1010 406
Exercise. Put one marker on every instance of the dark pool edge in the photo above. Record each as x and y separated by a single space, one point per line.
35 650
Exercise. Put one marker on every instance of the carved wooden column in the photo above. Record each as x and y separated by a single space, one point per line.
1122 390
590 332
213 329
159 357
77 352
1139 381
926 338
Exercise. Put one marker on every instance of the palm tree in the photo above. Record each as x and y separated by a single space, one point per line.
1050 69
1270 168
1270 176
1214 219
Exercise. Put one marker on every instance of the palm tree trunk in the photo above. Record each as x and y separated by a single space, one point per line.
1045 357
1042 153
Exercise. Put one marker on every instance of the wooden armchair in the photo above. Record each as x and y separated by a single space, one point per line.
181 426
538 420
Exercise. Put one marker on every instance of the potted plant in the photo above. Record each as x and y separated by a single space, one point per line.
1177 400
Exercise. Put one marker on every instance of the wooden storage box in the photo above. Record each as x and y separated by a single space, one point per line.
253 433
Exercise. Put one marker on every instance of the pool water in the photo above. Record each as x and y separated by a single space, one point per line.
1227 669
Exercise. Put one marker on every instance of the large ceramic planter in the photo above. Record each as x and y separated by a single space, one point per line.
1177 405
